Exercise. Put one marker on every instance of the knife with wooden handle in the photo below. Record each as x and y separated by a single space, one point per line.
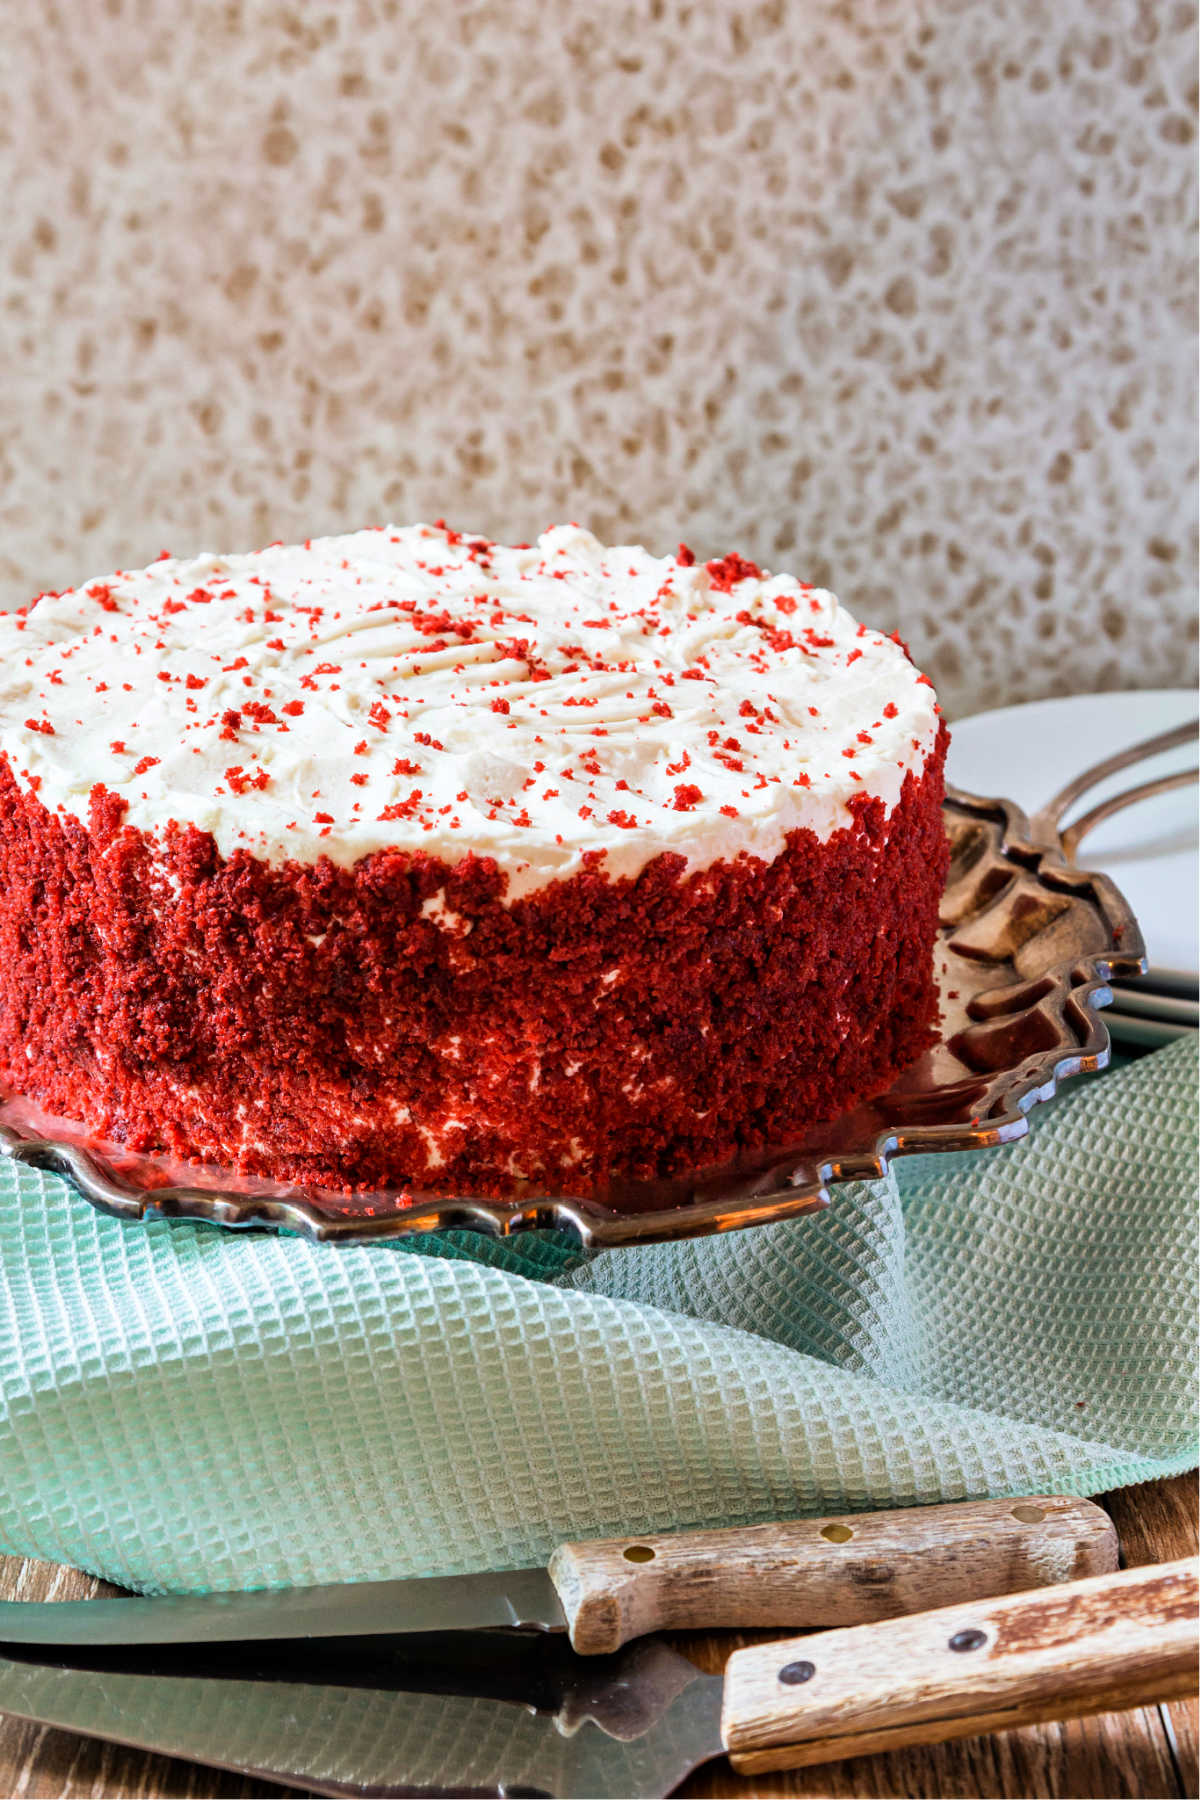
1093 1646
840 1570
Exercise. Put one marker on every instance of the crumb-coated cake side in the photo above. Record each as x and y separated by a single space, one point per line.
409 859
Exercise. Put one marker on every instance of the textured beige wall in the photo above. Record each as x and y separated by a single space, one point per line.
897 295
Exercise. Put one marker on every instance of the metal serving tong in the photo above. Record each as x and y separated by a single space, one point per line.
1165 1002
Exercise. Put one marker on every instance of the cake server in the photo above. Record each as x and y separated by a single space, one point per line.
811 1572
348 1720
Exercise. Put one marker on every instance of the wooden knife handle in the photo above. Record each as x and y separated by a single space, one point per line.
1091 1646
830 1571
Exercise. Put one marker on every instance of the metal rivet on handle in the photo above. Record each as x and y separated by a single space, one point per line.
837 1534
971 1639
639 1553
792 1674
1028 1515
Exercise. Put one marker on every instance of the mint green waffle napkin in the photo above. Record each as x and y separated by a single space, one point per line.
183 1408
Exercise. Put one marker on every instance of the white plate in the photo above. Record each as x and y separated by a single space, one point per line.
1027 753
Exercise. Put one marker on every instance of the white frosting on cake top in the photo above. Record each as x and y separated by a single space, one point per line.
421 689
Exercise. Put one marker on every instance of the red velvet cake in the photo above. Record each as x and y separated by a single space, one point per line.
410 859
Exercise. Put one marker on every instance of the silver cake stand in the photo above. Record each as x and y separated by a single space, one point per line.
1026 948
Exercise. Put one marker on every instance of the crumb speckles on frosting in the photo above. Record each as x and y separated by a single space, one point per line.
426 689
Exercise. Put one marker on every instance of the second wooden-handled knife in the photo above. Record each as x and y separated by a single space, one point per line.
847 1570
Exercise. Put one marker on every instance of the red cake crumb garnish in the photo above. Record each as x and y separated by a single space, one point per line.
725 574
687 796
240 782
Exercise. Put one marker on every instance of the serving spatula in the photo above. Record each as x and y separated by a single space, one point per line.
812 1572
350 1719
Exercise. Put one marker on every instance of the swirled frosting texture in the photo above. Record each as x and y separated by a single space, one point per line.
421 689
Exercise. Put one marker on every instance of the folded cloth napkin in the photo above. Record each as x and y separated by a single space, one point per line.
184 1408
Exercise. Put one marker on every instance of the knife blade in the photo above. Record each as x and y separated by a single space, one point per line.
466 1713
634 1724
807 1573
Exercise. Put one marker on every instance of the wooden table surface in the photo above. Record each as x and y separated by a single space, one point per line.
1149 1753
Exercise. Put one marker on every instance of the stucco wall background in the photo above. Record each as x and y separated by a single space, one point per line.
899 296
